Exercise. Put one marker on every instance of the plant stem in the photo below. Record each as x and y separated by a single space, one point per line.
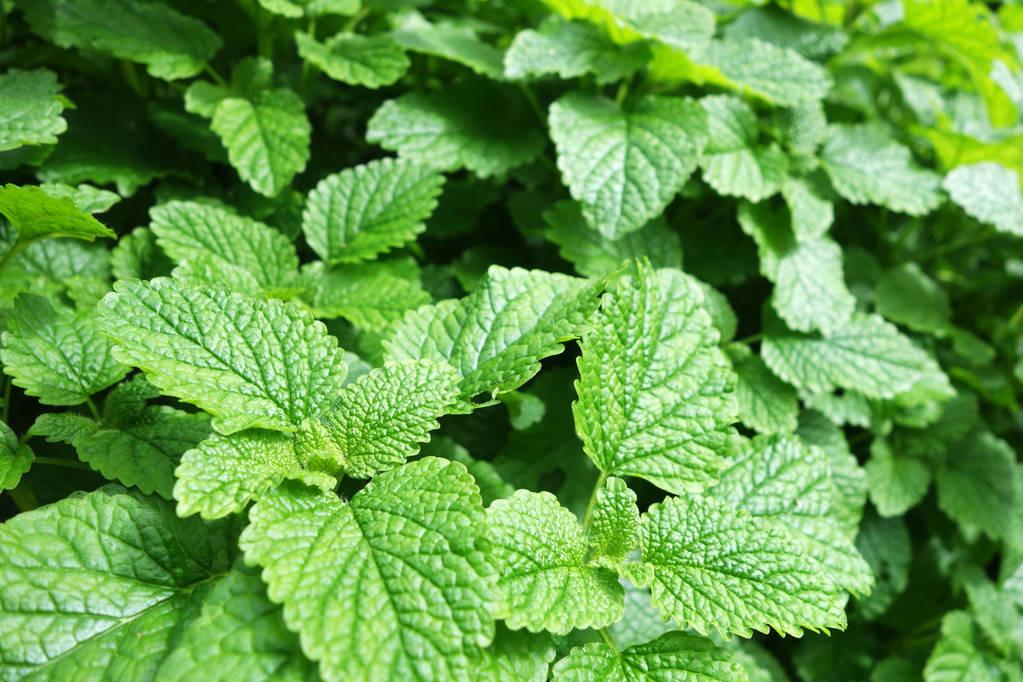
591 505
752 338
7 399
212 73
23 497
93 409
604 635
57 462
354 21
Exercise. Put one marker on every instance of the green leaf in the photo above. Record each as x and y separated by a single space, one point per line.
570 50
369 61
227 242
614 525
957 656
678 23
655 391
867 355
766 403
364 211
31 110
544 577
897 482
380 420
86 197
625 166
248 362
15 459
62 427
353 578
867 166
478 126
846 473
905 294
222 474
697 578
34 214
496 336
372 296
55 354
989 192
978 486
453 41
97 585
311 8
266 136
733 162
513 655
137 256
170 44
810 207
144 452
887 548
675 656
781 479
595 255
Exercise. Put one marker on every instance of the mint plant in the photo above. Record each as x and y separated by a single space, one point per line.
571 340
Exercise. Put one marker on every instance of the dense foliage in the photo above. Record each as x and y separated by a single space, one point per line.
610 340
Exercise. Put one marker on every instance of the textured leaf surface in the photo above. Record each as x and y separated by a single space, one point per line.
595 255
896 481
370 61
56 354
678 23
544 579
370 295
710 567
766 403
95 586
380 420
990 193
478 126
191 230
496 336
614 526
513 655
570 50
31 111
170 44
86 197
15 458
35 214
625 165
906 295
673 657
363 211
354 577
978 485
781 479
957 656
453 41
733 162
867 166
249 363
655 391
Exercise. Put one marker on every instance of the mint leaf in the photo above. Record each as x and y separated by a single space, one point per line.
896 481
56 354
733 162
766 403
655 391
15 458
625 166
957 655
908 296
248 362
86 197
31 111
364 211
496 336
678 23
978 486
369 61
34 214
513 655
990 193
614 525
371 295
456 42
352 581
570 50
545 579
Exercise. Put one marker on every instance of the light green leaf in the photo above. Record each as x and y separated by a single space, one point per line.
733 162
371 295
15 459
248 362
978 486
226 242
886 546
867 355
614 525
896 482
56 354
989 192
479 126
266 137
766 403
625 166
595 255
957 657
867 166
170 44
96 586
34 214
496 336
545 579
366 210
810 207
449 40
570 50
672 657
679 23
354 577
222 474
31 110
699 579
380 420
655 391
848 476
782 480
514 655
906 295
86 197
311 8
137 256
62 427
369 61
144 451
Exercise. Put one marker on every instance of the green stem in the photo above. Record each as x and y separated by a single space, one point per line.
752 338
23 498
12 252
606 636
7 399
623 91
217 78
591 505
93 409
350 25
534 105
57 462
